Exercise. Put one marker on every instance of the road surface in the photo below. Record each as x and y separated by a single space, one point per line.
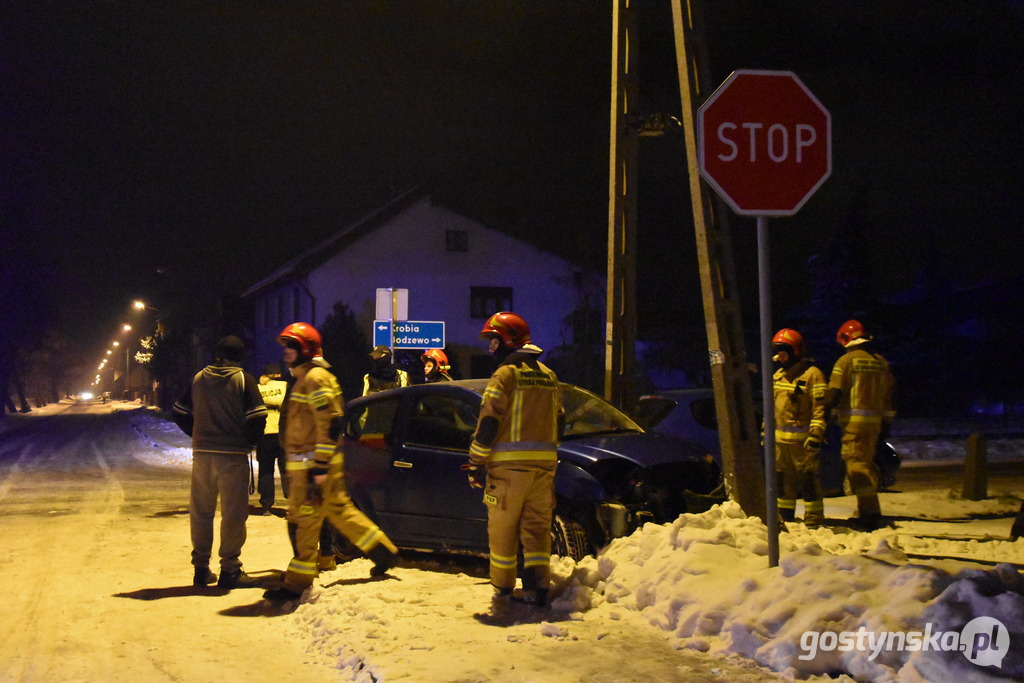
97 581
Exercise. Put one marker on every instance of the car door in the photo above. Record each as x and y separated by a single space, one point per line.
428 491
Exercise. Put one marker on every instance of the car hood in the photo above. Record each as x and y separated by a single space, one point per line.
646 449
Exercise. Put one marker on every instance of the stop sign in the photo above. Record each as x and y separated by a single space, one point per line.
764 142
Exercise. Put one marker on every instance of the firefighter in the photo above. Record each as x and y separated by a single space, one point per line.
860 391
513 458
383 374
800 395
315 468
435 366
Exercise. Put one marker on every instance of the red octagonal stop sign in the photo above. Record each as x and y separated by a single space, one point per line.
765 142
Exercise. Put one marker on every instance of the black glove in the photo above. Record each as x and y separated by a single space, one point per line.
314 494
336 428
476 474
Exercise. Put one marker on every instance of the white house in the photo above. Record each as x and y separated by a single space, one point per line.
456 271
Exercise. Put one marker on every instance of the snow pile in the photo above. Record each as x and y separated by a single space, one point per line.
705 579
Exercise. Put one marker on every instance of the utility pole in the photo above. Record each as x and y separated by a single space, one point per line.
620 331
730 377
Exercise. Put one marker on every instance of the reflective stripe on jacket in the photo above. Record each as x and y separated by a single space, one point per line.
865 383
800 402
314 401
527 403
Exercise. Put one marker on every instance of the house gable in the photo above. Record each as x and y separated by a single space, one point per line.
442 258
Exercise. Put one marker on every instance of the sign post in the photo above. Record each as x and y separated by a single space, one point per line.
765 145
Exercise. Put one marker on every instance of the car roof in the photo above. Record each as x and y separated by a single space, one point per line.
475 385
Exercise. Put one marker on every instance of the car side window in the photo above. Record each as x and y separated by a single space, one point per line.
441 422
371 424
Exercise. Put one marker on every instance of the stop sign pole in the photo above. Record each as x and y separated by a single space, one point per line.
764 143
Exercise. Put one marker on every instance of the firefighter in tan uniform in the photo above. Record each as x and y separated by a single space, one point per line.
315 468
860 390
516 443
799 390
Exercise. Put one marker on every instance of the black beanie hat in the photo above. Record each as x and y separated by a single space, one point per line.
231 348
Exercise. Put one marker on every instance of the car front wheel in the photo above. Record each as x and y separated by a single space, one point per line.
569 538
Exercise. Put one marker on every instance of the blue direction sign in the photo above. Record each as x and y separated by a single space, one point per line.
409 334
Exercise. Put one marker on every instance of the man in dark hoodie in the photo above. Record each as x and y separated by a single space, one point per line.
225 415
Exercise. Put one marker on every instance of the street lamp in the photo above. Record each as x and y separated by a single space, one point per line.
127 371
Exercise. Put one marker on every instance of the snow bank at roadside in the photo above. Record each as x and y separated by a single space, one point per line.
705 579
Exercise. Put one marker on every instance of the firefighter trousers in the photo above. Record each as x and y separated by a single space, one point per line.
307 512
520 500
797 472
858 450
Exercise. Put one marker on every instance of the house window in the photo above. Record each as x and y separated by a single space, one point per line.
486 301
296 305
456 240
280 310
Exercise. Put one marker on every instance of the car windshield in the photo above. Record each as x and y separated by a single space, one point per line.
587 414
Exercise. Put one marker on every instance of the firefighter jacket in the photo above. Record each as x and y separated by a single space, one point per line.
865 384
273 392
314 400
519 413
800 402
222 411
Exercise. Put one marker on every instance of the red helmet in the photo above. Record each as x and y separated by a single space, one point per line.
305 335
792 338
439 358
509 327
848 331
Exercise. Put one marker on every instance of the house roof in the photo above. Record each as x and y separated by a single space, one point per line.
312 258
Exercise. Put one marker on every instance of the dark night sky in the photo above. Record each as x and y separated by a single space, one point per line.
212 140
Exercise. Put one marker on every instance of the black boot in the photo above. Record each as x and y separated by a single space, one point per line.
237 579
1017 530
281 594
383 559
203 577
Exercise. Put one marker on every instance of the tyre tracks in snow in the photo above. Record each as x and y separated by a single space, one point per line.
60 498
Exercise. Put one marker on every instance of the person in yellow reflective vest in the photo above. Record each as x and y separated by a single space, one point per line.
516 446
315 468
860 391
799 390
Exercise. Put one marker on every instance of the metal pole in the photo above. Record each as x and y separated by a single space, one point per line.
394 314
767 395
